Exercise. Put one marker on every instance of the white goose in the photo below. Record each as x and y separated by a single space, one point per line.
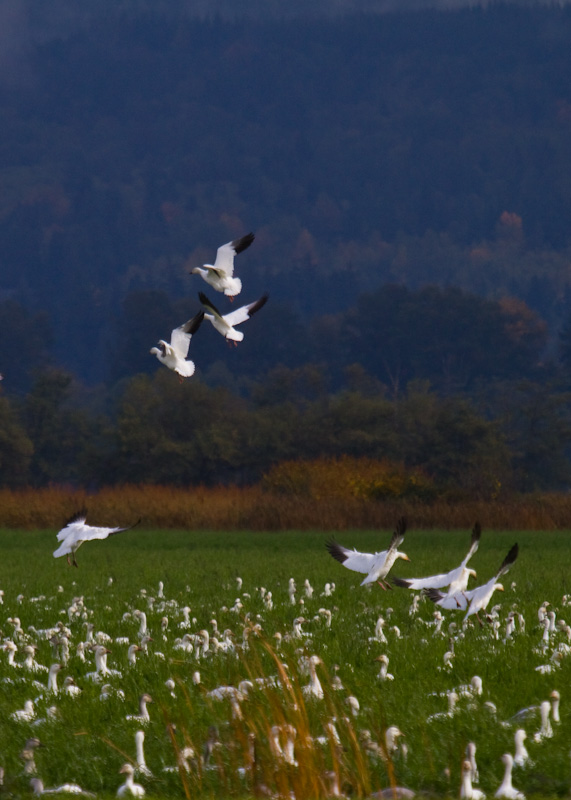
143 717
76 532
29 662
173 354
384 674
314 687
467 791
140 757
376 566
521 756
129 787
132 654
38 789
476 599
26 714
506 788
224 324
456 579
220 274
101 668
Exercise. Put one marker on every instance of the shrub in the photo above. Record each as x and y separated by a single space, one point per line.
361 478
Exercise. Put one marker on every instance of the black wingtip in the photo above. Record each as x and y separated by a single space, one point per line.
258 304
432 594
206 302
239 245
476 532
404 584
336 551
510 558
194 324
79 516
401 526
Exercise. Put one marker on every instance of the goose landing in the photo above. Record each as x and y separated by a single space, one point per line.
76 532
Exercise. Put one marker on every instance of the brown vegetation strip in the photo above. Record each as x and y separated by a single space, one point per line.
199 508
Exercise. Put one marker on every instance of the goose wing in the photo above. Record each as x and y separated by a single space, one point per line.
508 560
225 254
181 336
451 602
445 578
474 543
430 582
352 559
210 308
73 524
245 312
398 536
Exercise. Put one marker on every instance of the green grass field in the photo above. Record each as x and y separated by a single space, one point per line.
90 739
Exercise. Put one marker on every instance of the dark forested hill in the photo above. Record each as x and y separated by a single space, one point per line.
408 148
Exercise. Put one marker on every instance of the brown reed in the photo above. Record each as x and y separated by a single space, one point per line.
276 704
255 509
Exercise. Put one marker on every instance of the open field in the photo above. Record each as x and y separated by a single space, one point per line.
90 739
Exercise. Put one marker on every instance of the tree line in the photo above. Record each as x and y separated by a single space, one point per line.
434 379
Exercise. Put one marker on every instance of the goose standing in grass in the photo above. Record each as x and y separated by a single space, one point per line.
314 687
132 654
174 354
467 791
70 688
506 788
555 700
38 789
29 662
28 757
52 678
521 756
384 674
456 579
143 717
140 757
129 787
220 274
375 566
26 714
224 324
471 757
184 759
76 532
101 668
545 731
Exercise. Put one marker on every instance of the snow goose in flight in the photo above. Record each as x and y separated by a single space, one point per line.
220 274
224 324
76 532
376 566
476 599
173 354
456 579
483 594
